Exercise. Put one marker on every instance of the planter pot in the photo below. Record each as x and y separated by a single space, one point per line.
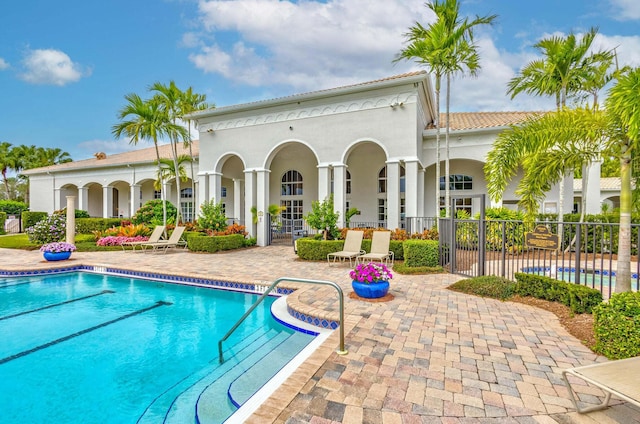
372 290
56 256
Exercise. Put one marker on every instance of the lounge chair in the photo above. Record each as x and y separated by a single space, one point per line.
618 378
379 248
155 237
173 241
351 249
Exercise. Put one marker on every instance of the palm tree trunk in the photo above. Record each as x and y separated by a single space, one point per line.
162 193
447 188
437 123
623 272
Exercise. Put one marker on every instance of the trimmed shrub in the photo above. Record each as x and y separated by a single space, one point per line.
3 218
486 286
401 268
420 253
49 230
12 207
212 216
580 299
29 219
151 213
198 242
91 225
617 326
317 250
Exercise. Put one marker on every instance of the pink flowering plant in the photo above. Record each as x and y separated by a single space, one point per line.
58 247
370 272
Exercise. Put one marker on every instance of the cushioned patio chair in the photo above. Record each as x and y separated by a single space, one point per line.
618 378
380 252
155 237
351 249
173 241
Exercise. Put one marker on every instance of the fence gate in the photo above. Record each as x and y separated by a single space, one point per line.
462 241
13 225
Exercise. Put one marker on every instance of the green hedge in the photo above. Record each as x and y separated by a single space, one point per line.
13 207
29 219
418 253
89 225
486 286
317 250
3 218
580 299
617 326
199 242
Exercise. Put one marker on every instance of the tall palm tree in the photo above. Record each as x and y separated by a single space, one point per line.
6 164
145 120
622 105
567 67
445 47
169 97
191 102
167 170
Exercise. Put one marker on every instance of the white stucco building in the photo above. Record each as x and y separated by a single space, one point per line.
371 145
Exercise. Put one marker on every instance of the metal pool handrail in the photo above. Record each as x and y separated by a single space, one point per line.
340 351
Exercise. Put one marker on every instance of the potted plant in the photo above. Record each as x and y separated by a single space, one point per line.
57 251
370 280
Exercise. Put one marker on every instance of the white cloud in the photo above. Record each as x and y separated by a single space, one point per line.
3 64
48 66
627 9
306 45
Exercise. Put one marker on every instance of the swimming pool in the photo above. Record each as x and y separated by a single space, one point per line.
593 278
84 347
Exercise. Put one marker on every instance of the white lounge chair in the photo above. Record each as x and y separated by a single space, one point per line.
155 237
618 378
173 241
380 252
351 249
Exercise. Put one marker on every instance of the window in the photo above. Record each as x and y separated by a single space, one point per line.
291 184
186 193
223 192
458 182
157 194
348 182
186 207
291 215
382 211
402 180
463 204
382 180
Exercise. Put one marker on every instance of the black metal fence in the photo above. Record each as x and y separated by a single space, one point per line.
586 254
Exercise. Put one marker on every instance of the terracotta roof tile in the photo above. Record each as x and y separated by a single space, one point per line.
477 120
133 157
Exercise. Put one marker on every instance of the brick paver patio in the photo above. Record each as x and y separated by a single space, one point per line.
429 355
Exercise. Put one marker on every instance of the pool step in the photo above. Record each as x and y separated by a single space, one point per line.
243 387
211 407
176 404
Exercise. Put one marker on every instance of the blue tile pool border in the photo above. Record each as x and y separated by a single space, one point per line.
252 288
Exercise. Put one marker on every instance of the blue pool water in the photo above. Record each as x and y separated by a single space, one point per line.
591 278
91 348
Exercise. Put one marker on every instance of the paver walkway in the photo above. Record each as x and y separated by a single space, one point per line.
428 355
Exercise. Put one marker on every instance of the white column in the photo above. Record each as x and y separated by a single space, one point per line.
324 182
83 198
249 201
107 201
215 186
71 219
411 193
393 195
339 192
56 199
421 178
203 190
592 190
237 199
166 189
262 203
134 199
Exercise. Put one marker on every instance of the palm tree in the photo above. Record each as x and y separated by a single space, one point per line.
167 170
191 102
622 105
445 47
170 97
6 163
145 120
566 68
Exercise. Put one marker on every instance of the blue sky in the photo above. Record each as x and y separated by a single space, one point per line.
66 66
